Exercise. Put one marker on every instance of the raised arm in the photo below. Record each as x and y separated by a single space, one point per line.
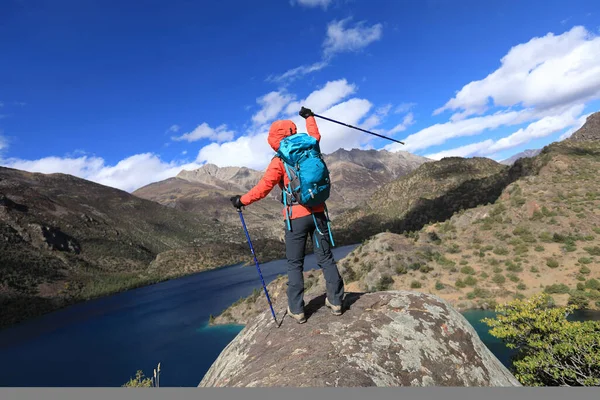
311 123
272 177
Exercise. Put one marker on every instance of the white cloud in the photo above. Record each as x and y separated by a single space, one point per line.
253 151
377 117
312 3
272 104
341 39
174 128
323 98
545 72
128 174
297 72
538 129
204 131
408 120
462 151
575 127
404 107
3 142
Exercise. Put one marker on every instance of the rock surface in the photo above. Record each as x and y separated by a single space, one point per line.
395 338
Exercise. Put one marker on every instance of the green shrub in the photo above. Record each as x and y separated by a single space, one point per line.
545 237
580 286
585 270
522 286
500 250
498 278
579 299
439 286
559 288
585 260
460 284
592 284
539 248
463 262
552 263
513 267
453 249
513 277
580 278
594 251
497 270
385 283
401 269
425 268
470 281
535 270
483 275
468 270
415 284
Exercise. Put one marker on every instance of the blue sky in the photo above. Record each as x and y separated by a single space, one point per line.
129 92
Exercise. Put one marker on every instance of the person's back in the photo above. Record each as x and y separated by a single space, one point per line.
303 221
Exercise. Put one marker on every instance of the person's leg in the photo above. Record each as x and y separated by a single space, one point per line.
325 260
295 243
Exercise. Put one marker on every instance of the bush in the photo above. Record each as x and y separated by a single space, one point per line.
470 281
539 248
584 270
513 267
581 286
500 250
499 279
559 288
460 284
463 262
139 381
578 299
415 284
549 346
592 284
522 286
425 268
513 277
467 270
401 269
497 270
594 251
585 260
552 263
439 286
545 237
535 270
385 283
484 275
453 249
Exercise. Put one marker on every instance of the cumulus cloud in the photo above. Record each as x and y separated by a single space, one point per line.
341 38
128 174
204 131
271 105
408 120
541 128
545 72
323 98
404 107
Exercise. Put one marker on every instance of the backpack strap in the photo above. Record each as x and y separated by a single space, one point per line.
317 230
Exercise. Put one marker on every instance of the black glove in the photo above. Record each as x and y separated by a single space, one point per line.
306 112
237 203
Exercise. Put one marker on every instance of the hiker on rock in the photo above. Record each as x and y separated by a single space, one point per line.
303 196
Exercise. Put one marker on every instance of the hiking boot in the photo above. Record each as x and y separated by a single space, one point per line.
300 318
335 310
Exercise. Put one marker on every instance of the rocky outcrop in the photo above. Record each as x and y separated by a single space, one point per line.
590 131
395 338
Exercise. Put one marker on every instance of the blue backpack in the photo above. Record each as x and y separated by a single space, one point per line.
309 182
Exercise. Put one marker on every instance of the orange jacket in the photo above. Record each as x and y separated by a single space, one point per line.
275 173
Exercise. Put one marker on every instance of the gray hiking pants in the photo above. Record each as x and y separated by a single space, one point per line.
295 242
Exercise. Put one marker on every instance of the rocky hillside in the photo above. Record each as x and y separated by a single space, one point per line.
432 192
64 239
539 232
355 174
383 339
523 154
590 131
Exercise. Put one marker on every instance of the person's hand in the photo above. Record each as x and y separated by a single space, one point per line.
237 203
306 112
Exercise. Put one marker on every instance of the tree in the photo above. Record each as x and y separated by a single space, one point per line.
139 381
551 350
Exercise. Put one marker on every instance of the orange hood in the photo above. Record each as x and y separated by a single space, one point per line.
280 130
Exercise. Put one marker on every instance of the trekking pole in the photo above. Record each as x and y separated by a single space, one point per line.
257 266
360 129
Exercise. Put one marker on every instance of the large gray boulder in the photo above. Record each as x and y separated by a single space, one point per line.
395 338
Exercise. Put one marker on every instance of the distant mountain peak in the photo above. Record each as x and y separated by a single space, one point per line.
590 131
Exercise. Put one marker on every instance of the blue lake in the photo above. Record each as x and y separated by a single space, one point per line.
103 342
